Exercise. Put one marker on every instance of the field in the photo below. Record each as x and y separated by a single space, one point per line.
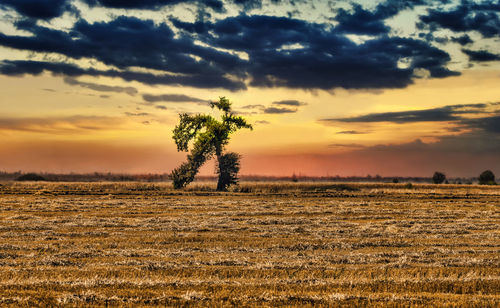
264 244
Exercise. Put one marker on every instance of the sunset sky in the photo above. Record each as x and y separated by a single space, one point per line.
396 88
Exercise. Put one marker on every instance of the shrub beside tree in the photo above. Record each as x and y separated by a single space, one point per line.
30 177
438 178
209 137
487 178
228 167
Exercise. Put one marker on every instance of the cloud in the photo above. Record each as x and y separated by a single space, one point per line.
59 125
467 16
466 154
161 107
361 21
462 40
99 87
249 4
321 57
481 55
275 110
489 124
236 51
371 22
114 43
350 132
173 98
215 5
22 67
39 9
478 117
48 9
348 145
290 103
256 106
441 114
483 143
137 114
264 122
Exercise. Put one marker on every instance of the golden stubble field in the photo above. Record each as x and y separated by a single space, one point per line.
265 244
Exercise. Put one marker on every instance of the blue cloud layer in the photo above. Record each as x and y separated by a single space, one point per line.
256 50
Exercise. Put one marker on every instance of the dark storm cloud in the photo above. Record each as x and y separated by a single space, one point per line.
19 68
481 55
173 98
130 42
467 16
39 9
248 5
99 87
359 20
276 110
294 103
216 5
282 52
442 114
324 58
462 40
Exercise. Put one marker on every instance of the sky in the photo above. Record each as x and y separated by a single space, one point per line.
387 87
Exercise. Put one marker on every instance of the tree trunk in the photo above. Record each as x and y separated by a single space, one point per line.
220 184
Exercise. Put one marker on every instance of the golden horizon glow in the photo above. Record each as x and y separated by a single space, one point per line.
42 115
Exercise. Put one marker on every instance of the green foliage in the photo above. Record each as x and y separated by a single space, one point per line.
438 178
209 137
228 168
487 178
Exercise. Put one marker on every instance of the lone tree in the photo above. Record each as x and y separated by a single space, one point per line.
438 178
487 178
210 136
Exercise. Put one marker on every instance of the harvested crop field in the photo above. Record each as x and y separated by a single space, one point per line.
265 244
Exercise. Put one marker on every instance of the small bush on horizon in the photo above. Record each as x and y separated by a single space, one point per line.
487 178
438 178
31 177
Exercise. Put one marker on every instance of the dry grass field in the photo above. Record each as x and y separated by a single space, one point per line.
263 244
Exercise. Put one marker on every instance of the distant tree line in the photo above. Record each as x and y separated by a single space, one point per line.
485 178
165 177
83 177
